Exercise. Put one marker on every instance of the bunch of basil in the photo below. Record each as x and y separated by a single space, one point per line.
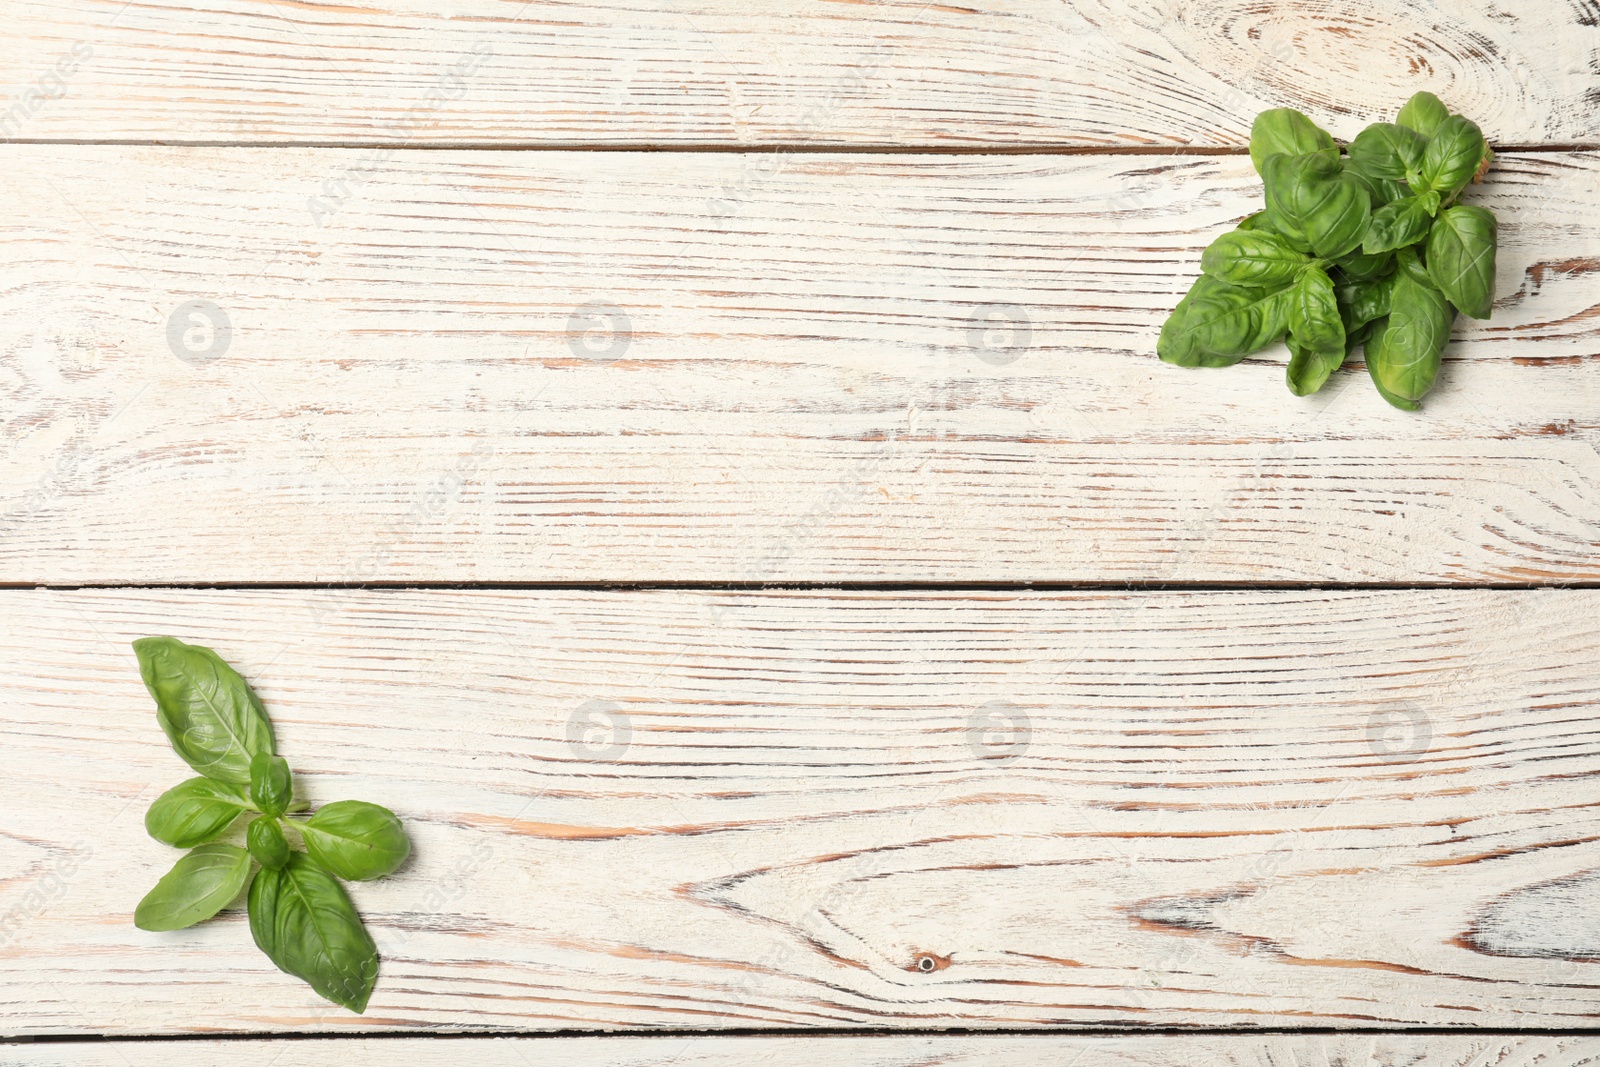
1366 248
299 913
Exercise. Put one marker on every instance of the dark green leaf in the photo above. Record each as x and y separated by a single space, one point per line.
1218 324
1314 320
1403 350
1314 195
1453 155
1253 257
214 721
271 786
198 886
1380 191
267 843
302 919
193 812
1424 112
1386 150
1361 267
1285 130
1364 302
1461 251
1402 223
356 840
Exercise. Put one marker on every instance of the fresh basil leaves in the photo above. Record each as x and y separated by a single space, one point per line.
300 915
1368 249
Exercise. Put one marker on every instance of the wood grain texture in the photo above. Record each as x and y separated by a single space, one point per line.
901 72
1386 1050
710 811
803 368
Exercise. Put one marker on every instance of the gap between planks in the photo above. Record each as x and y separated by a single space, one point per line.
712 148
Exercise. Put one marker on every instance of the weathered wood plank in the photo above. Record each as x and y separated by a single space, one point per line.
1230 1050
598 366
697 810
903 72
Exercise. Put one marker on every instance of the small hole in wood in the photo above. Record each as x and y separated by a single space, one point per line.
926 964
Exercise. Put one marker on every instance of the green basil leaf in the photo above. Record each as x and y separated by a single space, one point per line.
1310 368
1402 223
267 843
1424 113
356 840
214 721
1361 267
302 919
1363 302
1218 323
1388 151
1380 191
1453 156
1314 321
193 812
198 886
1461 251
271 785
1252 257
1283 130
1313 194
1403 351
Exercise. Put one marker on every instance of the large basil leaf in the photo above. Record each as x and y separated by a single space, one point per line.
271 785
1252 257
1403 350
1461 251
198 886
1387 150
1313 194
267 843
1402 223
1314 320
193 812
356 840
210 715
302 919
1424 113
1453 155
1285 131
1218 324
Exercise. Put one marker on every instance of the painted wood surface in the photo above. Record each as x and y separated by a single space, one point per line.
695 810
562 367
882 72
1384 1050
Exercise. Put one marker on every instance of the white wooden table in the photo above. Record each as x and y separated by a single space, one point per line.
707 468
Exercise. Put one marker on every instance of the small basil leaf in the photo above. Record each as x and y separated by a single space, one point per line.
1363 302
356 840
302 919
1313 194
193 812
198 886
1361 267
1403 350
1309 368
1252 257
1314 321
1283 130
1386 150
267 844
210 715
1424 112
1402 223
1380 191
1461 251
1454 153
271 786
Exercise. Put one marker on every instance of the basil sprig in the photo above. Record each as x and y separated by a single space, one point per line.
1369 249
300 915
